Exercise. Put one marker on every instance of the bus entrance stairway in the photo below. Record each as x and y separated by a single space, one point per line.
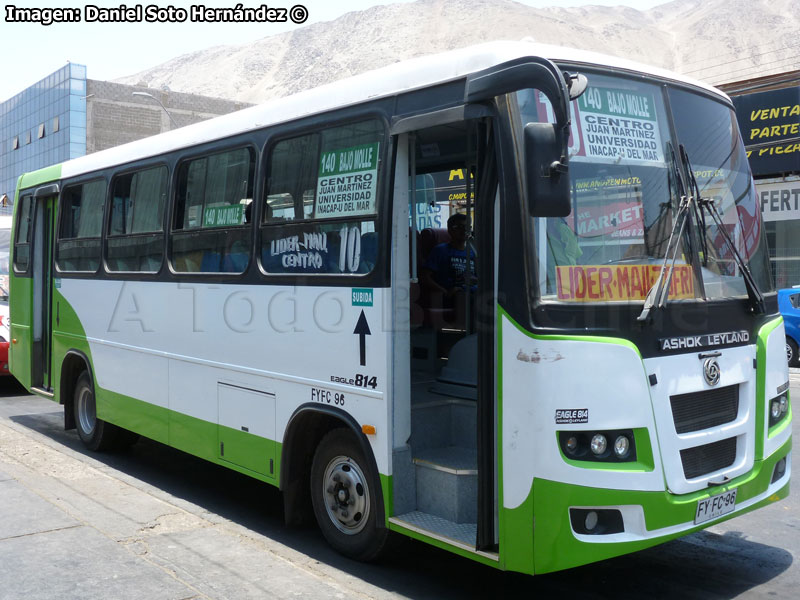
443 478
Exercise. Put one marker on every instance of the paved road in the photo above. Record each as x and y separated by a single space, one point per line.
154 523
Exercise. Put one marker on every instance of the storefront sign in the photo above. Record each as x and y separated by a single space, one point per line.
770 126
779 201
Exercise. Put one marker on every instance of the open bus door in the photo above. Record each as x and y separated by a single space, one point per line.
42 313
445 442
32 307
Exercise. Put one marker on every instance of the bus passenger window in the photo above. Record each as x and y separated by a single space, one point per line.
211 230
22 244
78 244
135 242
321 202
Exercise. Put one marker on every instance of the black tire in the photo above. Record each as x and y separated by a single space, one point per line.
96 434
346 497
791 353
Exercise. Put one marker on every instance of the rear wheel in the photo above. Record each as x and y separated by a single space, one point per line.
95 433
791 353
346 498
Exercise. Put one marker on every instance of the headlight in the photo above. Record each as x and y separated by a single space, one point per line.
596 446
778 408
599 444
775 410
621 446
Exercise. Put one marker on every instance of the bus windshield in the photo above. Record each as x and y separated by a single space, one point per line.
627 179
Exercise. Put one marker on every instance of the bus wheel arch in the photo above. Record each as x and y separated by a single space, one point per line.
309 427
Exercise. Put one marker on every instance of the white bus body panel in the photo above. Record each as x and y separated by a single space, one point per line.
173 344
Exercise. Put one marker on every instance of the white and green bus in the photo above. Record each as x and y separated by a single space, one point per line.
603 371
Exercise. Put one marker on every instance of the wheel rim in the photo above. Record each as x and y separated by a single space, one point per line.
87 415
789 353
346 495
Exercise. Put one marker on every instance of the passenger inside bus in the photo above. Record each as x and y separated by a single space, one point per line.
444 270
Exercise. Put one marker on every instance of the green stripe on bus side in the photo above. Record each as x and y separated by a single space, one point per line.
68 334
517 524
556 547
194 436
579 338
761 382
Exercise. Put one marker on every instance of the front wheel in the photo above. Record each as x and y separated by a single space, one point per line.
346 498
791 353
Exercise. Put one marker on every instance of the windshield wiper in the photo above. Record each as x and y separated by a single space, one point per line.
753 293
657 295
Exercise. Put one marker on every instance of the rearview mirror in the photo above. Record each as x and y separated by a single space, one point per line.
546 171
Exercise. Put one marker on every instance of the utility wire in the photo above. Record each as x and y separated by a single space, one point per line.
762 46
750 57
785 63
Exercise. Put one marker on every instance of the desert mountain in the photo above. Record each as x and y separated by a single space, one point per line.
719 41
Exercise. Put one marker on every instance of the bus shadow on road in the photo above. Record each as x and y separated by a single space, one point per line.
703 565
9 386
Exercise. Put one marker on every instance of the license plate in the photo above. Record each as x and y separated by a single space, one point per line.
715 506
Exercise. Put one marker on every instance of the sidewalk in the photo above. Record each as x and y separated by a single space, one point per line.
72 526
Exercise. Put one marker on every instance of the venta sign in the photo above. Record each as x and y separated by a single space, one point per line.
708 340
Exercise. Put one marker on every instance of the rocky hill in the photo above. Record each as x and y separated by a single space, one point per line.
718 41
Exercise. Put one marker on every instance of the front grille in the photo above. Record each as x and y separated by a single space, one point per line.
709 458
704 409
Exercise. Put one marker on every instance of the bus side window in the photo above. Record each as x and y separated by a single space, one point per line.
321 201
211 231
136 220
22 243
78 244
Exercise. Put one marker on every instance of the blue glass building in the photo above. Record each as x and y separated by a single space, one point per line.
43 125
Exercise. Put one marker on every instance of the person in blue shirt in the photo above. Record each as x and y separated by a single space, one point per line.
444 269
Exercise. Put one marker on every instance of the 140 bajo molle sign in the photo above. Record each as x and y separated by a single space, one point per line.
618 125
347 182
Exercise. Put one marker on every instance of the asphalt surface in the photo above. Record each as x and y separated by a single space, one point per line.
155 523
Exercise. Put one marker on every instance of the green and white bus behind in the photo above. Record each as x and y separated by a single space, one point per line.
604 370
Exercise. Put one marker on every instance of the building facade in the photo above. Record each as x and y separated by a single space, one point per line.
768 112
66 115
43 125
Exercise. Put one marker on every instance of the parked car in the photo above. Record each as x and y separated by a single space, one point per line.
789 305
5 336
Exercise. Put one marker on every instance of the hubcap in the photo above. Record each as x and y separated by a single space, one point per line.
346 495
789 353
87 415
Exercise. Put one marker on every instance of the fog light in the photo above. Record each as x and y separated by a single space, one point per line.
780 470
784 405
621 446
591 520
599 443
775 410
572 443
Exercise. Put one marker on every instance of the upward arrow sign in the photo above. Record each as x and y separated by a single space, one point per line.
362 330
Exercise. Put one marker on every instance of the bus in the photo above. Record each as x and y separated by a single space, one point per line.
604 369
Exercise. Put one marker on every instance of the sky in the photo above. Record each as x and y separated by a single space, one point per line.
31 51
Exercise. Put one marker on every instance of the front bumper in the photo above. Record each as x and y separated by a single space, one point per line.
650 518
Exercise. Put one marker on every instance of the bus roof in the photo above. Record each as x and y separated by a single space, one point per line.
384 82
